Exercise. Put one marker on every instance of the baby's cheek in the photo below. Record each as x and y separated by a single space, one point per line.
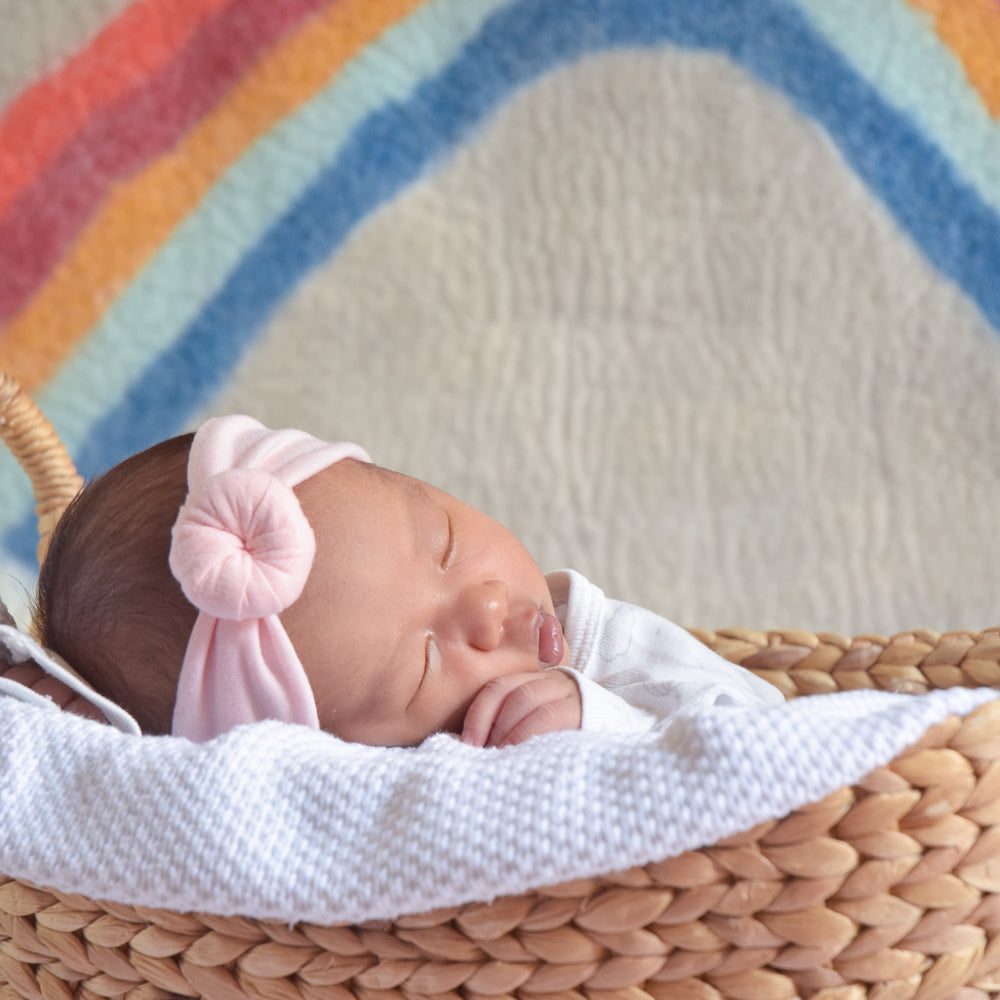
454 721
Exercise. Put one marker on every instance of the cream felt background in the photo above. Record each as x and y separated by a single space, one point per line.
650 320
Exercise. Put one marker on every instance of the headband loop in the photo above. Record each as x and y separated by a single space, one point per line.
242 550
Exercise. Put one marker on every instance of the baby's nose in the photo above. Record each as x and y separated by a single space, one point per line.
480 611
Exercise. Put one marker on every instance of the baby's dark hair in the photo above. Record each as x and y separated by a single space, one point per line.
107 601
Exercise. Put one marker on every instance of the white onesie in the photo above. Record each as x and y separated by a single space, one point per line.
637 670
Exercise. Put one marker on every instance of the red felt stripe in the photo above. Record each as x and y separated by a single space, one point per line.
137 43
118 139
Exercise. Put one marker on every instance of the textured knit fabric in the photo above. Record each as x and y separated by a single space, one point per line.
281 821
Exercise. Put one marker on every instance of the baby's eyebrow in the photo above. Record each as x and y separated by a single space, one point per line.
397 480
426 512
412 489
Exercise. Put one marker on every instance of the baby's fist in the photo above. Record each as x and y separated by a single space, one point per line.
515 707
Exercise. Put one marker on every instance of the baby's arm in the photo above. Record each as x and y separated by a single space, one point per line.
514 707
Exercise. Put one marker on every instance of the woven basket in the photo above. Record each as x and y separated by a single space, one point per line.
886 890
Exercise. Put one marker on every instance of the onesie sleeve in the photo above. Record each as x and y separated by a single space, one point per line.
636 670
605 712
660 668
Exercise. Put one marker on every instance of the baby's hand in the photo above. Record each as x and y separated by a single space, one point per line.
511 708
32 676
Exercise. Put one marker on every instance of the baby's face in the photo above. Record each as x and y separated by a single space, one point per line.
415 601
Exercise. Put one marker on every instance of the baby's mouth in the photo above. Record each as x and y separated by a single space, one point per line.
550 640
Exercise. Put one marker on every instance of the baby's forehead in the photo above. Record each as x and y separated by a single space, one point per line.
406 486
361 481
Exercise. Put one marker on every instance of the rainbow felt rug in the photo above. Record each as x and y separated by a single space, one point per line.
701 297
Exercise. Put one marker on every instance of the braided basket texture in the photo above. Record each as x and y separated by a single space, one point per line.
887 890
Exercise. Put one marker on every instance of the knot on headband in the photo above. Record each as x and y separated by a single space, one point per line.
242 550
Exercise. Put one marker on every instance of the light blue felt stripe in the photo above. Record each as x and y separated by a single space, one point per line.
959 233
171 291
945 216
174 288
895 48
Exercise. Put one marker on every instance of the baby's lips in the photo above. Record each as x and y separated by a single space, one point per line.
550 641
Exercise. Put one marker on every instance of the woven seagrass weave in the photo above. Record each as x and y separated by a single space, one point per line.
886 890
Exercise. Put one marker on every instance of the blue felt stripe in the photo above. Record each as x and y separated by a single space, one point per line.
894 46
773 40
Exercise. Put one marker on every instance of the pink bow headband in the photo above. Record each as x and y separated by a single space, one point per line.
242 550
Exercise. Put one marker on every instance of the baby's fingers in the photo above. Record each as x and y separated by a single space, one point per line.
547 703
482 713
549 717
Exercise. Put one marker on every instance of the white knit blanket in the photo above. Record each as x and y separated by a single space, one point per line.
279 821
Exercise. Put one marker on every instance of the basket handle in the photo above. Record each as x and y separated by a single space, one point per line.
36 446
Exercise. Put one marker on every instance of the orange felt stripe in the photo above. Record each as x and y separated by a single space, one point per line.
139 216
971 29
142 39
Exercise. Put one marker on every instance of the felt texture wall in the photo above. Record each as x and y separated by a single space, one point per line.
701 297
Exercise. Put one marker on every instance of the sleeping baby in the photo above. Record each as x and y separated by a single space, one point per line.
243 574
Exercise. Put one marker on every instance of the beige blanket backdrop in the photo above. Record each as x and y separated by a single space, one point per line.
650 308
